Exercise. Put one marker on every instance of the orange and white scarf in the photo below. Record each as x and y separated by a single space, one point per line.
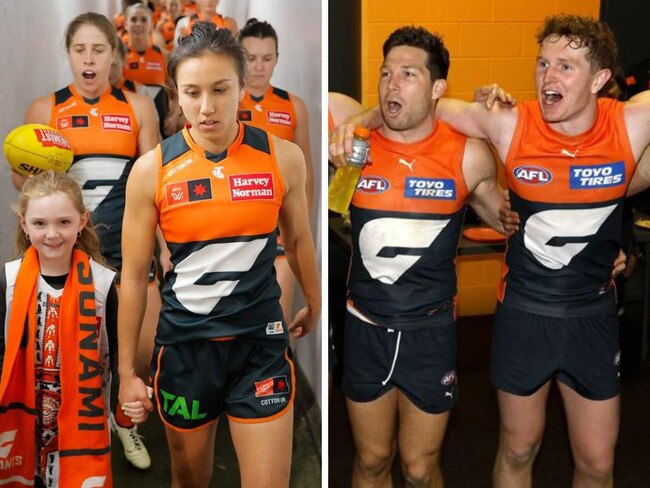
84 438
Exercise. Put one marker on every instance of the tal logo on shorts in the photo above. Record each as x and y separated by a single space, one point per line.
277 385
174 405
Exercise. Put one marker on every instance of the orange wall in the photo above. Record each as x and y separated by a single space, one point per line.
488 40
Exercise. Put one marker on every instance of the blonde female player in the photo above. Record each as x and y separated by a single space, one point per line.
108 128
278 112
55 385
218 190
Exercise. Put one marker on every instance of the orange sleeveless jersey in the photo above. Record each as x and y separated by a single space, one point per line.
148 68
218 214
216 19
568 192
103 133
272 112
406 214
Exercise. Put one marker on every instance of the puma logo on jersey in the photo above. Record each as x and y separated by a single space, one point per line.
439 189
408 164
597 176
565 152
532 175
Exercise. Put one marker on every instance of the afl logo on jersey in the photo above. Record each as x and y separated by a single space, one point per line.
372 184
532 175
597 176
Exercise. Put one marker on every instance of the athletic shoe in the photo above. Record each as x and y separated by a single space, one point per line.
134 450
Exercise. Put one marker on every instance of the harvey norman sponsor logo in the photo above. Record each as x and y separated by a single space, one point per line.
251 186
278 118
116 122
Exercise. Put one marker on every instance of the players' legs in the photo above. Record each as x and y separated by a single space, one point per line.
420 441
192 455
374 428
522 427
264 451
593 430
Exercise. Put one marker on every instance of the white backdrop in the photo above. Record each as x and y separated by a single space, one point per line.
34 64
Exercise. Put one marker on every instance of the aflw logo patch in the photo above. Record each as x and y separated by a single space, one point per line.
252 186
273 386
597 176
278 118
72 122
188 191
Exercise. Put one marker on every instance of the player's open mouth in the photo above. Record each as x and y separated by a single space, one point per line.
208 124
551 97
393 108
89 75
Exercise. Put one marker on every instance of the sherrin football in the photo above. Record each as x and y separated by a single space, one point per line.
33 148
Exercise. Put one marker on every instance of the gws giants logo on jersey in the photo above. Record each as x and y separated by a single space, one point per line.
449 378
431 188
7 439
372 184
116 122
278 118
597 175
252 186
188 191
272 386
532 175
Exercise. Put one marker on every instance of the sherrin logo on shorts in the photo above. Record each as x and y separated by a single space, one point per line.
372 184
251 186
274 328
430 188
277 385
449 378
597 175
188 191
116 122
532 175
278 118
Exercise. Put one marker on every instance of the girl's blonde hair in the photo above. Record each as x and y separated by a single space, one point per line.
48 183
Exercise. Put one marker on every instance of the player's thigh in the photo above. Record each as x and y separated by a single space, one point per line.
374 425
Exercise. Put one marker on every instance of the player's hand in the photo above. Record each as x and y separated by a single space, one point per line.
508 217
134 398
489 94
340 144
303 322
620 263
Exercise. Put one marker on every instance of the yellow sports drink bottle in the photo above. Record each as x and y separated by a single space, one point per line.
345 179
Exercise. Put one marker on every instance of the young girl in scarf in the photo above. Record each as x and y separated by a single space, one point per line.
58 305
